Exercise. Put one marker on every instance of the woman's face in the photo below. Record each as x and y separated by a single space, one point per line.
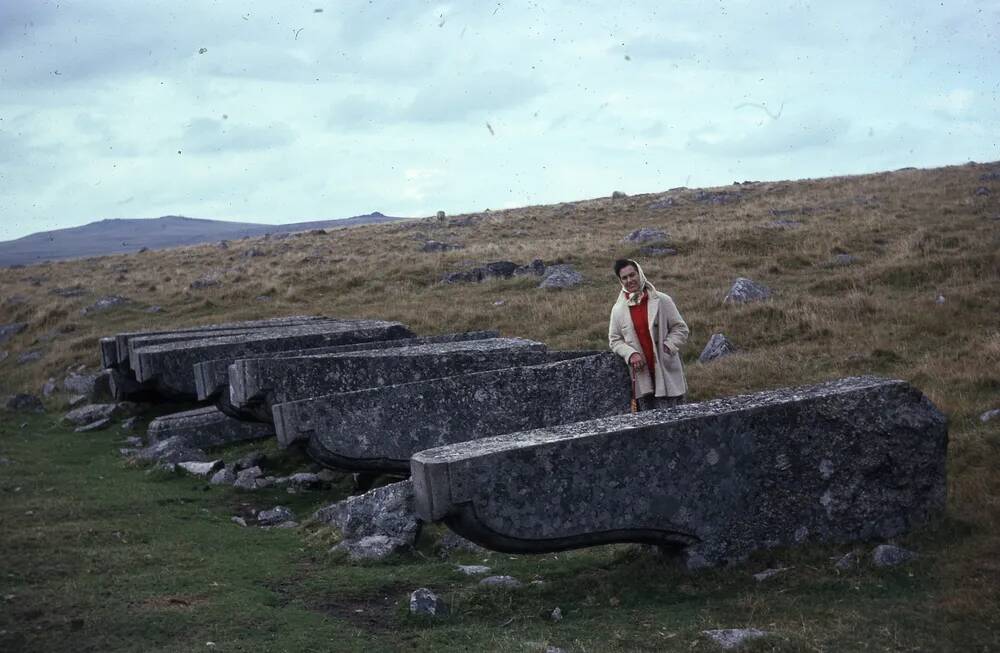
630 278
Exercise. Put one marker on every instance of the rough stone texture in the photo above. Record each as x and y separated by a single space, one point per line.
212 377
769 573
29 357
646 235
104 304
843 461
98 425
846 562
247 479
472 570
744 290
95 386
24 402
206 427
888 555
8 331
197 468
92 412
452 542
225 476
501 582
256 385
48 387
990 415
171 450
386 511
378 429
371 547
718 346
274 516
252 459
731 638
560 276
494 270
438 246
655 250
426 603
169 367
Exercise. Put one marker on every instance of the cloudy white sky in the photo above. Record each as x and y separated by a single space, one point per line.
276 112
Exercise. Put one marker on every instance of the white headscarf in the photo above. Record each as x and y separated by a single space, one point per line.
635 298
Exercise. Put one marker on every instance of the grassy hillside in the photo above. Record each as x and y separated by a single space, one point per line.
919 303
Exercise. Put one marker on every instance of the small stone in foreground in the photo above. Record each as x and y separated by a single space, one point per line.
225 476
98 425
473 570
247 478
768 573
557 614
26 403
730 638
501 582
239 521
888 555
561 276
274 516
746 290
718 346
847 561
425 602
372 547
197 468
989 415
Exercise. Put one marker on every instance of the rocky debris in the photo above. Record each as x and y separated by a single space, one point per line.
133 441
438 246
24 403
731 638
92 413
129 424
556 614
3 356
206 427
202 469
501 582
225 476
452 542
889 555
386 512
239 521
720 197
983 191
29 357
990 176
665 203
655 250
254 252
252 459
275 516
48 387
939 300
782 224
426 603
781 213
248 479
561 276
472 570
304 481
769 573
95 385
75 400
495 270
154 309
746 290
848 561
70 291
841 261
8 331
104 303
718 346
646 235
618 195
171 450
98 425
990 415
206 280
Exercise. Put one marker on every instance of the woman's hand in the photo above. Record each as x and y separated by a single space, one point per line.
635 360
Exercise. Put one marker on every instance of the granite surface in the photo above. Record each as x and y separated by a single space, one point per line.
848 460
205 427
378 429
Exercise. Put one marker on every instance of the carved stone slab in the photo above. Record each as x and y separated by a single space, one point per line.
843 461
170 366
380 428
205 427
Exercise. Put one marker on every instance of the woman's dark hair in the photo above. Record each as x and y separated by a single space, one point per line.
623 262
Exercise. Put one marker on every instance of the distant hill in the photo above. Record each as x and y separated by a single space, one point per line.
130 235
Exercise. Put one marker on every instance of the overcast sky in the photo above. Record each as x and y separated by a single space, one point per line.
287 111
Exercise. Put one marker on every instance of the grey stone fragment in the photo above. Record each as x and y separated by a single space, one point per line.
206 427
437 246
128 424
732 638
848 561
646 235
92 412
171 450
197 468
97 425
247 478
888 555
225 476
24 402
654 250
557 614
718 346
711 477
304 480
472 570
96 386
769 573
251 459
378 429
745 290
560 276
239 521
257 384
8 331
48 387
501 582
990 415
452 542
426 603
275 516
104 304
371 547
387 511
29 357
842 261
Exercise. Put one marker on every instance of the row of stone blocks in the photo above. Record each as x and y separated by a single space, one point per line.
503 444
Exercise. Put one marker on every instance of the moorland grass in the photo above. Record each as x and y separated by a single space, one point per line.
98 555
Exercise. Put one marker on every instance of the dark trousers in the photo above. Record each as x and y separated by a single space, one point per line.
649 402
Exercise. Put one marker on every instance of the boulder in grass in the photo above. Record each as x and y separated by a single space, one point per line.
386 513
91 413
197 468
426 603
718 346
274 516
732 638
372 547
990 415
746 290
646 235
225 476
501 582
170 450
98 425
247 479
560 276
25 403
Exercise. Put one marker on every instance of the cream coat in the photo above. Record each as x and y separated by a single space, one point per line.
669 333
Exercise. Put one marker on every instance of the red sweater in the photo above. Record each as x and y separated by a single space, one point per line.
640 321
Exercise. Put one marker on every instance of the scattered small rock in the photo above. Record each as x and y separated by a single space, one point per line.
202 469
438 246
225 476
501 582
252 459
769 573
91 413
29 357
171 450
990 415
239 521
206 281
983 191
889 555
371 547
304 480
722 197
618 195
745 290
473 570
939 300
848 561
560 276
556 615
730 638
646 235
26 403
247 479
254 252
426 603
665 203
274 516
386 514
104 304
98 425
718 346
8 331
452 542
